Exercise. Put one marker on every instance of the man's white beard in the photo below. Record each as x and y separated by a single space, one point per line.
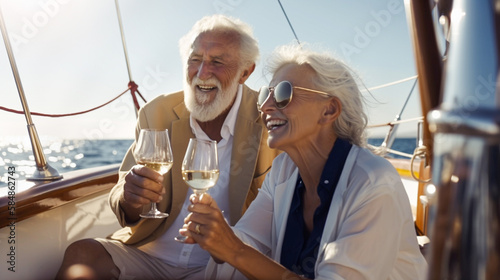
195 101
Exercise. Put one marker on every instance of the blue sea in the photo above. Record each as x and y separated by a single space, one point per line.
63 155
70 155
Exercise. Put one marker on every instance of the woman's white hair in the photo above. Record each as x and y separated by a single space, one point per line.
333 77
249 47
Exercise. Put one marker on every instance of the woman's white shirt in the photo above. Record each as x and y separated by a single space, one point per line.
369 232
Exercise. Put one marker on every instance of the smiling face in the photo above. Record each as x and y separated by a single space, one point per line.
300 123
213 74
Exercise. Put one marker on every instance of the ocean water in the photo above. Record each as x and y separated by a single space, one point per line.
70 155
404 145
63 155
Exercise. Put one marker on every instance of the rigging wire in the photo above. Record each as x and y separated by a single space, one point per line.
408 98
289 23
391 83
131 85
395 122
391 134
123 40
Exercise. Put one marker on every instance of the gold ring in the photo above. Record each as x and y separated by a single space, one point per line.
197 228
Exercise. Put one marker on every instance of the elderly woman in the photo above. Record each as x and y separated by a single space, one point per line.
329 208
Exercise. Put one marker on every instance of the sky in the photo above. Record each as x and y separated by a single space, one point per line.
70 56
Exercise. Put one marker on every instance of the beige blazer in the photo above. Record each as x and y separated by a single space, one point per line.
251 159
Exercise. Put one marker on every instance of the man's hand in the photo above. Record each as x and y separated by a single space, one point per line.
142 185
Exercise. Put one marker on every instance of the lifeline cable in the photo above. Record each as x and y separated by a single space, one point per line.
64 115
289 23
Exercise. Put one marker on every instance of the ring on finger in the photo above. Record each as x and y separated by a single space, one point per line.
197 228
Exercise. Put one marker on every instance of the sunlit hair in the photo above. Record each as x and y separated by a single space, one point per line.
249 48
335 78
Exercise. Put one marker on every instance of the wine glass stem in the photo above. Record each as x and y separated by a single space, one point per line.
199 193
153 207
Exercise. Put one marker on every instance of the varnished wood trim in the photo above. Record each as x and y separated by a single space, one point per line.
422 210
429 63
44 196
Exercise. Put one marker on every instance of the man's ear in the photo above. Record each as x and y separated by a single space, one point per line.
331 111
246 73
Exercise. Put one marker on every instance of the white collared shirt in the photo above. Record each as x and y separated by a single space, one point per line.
191 255
356 242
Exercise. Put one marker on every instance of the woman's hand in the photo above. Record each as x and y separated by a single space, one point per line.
190 227
206 226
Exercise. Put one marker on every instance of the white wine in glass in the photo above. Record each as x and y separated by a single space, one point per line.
160 167
200 181
153 150
200 168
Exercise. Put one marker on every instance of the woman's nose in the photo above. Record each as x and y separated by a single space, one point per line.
269 104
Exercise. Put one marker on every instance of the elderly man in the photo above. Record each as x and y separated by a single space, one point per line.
219 55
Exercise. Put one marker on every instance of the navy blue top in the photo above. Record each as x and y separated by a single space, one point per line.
300 249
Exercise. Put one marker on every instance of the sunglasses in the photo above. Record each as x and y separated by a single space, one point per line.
283 93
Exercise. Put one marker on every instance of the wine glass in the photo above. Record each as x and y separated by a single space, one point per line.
153 150
200 168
